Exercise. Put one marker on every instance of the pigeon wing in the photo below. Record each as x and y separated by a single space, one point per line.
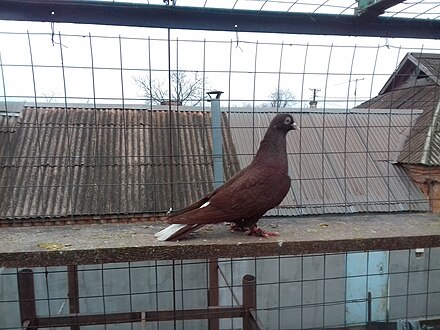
250 195
202 201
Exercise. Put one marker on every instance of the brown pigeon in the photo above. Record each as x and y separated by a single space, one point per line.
248 195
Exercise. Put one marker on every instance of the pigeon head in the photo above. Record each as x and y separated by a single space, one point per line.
283 122
272 151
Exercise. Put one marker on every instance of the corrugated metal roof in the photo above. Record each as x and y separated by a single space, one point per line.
74 161
7 123
414 97
339 162
65 162
415 85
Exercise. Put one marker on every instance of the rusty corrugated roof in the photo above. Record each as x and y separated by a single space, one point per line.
415 85
75 161
7 123
83 161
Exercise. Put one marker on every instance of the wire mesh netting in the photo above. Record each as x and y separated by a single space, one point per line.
116 124
292 292
78 108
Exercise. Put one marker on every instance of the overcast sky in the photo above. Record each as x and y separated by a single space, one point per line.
228 61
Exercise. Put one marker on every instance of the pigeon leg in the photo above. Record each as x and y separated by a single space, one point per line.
258 232
236 227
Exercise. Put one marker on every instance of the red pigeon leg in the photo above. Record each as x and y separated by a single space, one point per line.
236 227
258 232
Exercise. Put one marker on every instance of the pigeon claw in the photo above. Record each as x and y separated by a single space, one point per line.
258 232
252 231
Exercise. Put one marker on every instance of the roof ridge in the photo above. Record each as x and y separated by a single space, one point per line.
426 152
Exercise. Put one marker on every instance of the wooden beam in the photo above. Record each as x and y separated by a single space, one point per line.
215 19
97 244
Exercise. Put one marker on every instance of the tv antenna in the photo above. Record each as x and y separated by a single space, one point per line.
355 84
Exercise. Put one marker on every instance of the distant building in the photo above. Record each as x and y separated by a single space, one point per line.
414 86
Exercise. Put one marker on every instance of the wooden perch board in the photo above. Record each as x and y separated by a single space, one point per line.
110 243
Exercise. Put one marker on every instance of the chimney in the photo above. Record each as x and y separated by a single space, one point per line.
217 139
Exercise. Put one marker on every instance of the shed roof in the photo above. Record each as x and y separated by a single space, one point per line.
415 85
62 162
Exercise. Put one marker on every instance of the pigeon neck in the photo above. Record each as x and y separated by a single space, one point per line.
272 151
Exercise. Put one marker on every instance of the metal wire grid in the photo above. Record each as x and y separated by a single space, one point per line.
293 292
415 10
97 59
94 61
177 293
98 72
328 7
412 9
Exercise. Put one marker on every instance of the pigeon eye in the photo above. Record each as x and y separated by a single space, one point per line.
287 121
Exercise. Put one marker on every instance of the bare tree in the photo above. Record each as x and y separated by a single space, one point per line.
281 98
185 88
49 96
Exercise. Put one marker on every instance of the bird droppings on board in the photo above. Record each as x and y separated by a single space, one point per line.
52 246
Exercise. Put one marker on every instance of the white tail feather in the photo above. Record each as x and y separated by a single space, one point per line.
169 231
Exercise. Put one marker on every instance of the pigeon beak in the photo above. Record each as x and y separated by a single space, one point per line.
295 126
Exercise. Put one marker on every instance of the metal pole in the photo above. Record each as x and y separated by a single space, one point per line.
249 301
217 139
213 291
369 310
73 292
26 294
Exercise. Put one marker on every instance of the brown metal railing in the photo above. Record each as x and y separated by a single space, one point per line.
30 319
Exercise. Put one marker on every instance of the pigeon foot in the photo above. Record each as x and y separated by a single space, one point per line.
258 232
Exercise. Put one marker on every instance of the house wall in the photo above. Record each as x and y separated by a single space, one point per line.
428 180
